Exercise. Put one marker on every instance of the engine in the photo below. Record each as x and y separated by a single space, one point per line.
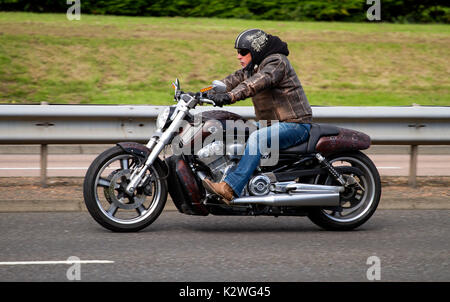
220 158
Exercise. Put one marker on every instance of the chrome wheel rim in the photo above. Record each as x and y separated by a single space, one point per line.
355 202
110 196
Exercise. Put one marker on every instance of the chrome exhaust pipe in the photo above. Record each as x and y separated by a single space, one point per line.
294 187
297 199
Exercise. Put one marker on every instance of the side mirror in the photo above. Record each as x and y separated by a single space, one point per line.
219 86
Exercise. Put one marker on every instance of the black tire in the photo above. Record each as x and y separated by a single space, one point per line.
94 200
371 195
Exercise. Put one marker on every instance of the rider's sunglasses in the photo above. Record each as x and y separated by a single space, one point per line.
243 52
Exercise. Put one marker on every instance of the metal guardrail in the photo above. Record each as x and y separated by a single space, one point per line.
93 124
73 124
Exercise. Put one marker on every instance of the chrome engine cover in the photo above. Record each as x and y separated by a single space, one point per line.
259 185
219 158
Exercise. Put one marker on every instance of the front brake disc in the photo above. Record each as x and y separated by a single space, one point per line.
115 193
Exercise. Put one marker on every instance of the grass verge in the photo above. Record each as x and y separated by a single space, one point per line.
133 60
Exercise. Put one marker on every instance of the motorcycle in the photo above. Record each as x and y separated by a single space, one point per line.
327 178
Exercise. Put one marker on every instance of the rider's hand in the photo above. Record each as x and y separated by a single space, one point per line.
220 99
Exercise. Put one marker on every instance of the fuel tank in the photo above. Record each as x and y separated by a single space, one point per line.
215 122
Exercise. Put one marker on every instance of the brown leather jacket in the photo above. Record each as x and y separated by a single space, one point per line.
275 90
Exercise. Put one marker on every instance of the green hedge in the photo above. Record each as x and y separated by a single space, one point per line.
420 11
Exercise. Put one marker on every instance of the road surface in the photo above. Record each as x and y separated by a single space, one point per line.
403 245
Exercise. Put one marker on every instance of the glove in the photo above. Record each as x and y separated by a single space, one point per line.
220 98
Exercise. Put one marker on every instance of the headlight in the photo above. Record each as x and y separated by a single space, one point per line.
163 120
163 116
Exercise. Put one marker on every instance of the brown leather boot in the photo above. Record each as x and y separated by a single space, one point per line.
222 189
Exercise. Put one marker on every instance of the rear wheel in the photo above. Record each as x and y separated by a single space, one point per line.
360 199
107 201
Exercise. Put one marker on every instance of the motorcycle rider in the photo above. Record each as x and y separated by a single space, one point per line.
277 94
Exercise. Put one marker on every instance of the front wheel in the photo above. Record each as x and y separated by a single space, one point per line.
360 199
106 199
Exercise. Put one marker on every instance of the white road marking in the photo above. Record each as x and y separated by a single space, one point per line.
392 168
52 168
61 168
48 168
56 262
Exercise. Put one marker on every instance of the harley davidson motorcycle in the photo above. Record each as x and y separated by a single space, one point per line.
327 178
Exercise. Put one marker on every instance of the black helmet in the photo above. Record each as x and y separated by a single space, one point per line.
253 40
260 45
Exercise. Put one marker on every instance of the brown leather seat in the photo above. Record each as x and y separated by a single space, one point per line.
317 131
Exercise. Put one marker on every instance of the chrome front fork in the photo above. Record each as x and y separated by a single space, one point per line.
156 146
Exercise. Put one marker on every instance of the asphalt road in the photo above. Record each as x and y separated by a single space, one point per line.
410 245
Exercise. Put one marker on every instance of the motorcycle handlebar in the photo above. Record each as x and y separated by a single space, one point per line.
207 101
203 98
200 96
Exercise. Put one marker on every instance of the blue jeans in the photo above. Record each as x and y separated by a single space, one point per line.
288 134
